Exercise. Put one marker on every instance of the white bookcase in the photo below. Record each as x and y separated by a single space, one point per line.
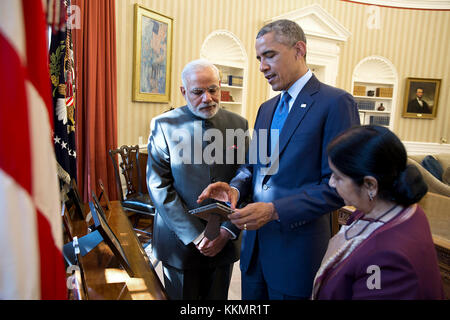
232 79
374 87
225 50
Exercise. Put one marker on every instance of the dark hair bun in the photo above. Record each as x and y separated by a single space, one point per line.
410 186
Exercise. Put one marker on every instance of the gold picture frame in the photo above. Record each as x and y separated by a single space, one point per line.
425 90
152 44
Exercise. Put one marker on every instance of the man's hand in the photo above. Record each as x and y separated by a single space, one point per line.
210 248
254 215
220 191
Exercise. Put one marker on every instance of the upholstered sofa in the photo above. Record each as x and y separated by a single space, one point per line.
436 204
434 184
436 208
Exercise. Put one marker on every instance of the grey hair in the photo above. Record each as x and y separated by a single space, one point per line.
286 32
197 65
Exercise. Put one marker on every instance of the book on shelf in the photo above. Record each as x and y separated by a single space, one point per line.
365 105
226 96
384 92
359 90
235 81
379 120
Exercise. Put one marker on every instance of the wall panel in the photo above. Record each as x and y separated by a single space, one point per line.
415 41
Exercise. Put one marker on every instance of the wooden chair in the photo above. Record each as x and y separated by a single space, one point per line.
136 200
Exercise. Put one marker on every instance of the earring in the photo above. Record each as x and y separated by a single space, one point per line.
370 196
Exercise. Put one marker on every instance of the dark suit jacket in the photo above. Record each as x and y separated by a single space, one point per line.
291 249
174 187
403 249
414 107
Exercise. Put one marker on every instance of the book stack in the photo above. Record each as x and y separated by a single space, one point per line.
384 92
359 90
379 120
225 96
365 105
235 81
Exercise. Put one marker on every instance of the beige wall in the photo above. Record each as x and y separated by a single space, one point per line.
415 41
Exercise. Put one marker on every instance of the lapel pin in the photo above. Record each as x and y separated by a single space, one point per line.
303 105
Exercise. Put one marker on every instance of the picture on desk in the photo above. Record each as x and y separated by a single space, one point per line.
108 235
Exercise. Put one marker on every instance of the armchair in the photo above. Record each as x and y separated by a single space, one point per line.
135 200
436 207
434 184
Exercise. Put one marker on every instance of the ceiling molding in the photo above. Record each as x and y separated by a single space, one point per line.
407 4
317 22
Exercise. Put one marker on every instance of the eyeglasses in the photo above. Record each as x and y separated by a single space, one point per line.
213 90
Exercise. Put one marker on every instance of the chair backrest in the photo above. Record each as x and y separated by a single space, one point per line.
127 158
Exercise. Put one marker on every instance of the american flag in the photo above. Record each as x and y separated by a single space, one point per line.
31 263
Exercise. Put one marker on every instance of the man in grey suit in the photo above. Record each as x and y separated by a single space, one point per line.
189 148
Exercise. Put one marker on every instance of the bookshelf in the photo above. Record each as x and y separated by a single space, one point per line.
225 50
374 87
232 79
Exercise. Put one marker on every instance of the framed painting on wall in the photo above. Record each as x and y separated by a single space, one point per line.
421 98
152 44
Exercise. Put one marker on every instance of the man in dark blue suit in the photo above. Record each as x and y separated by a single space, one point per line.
288 224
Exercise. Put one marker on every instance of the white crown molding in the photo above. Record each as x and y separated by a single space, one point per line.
316 22
410 4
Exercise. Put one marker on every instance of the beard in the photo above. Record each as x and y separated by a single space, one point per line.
203 114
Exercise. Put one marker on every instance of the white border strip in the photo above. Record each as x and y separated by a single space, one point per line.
414 147
410 4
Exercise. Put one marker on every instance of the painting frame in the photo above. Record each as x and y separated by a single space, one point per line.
428 90
108 235
152 62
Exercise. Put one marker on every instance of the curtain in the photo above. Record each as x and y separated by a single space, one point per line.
94 41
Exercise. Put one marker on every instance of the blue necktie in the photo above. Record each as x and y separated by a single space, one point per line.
278 120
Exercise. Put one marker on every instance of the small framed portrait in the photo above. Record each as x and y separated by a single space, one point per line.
421 98
101 224
152 55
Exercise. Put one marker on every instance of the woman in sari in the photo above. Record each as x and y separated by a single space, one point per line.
386 250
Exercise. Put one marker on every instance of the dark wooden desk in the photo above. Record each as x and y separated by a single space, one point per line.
104 277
